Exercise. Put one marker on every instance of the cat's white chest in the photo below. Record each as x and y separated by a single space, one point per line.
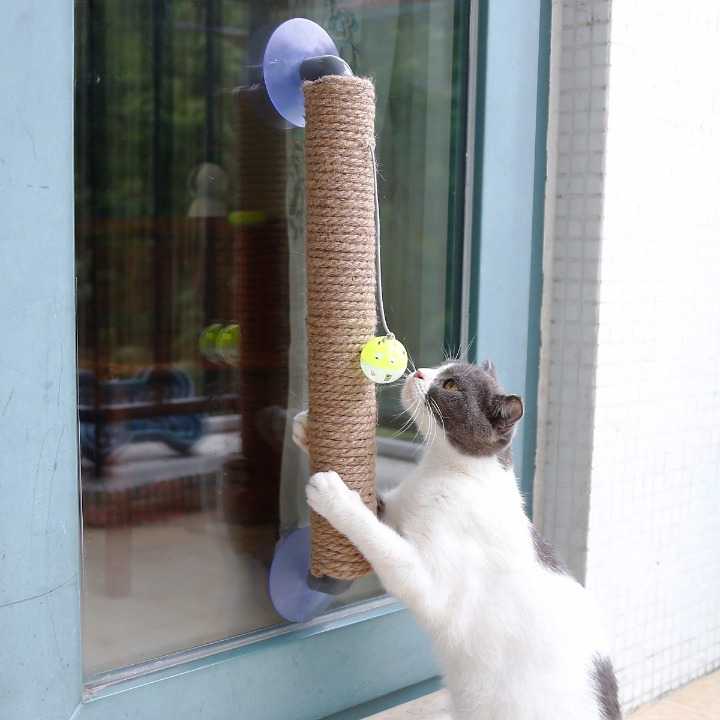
468 526
471 512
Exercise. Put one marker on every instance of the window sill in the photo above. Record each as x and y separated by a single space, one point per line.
429 707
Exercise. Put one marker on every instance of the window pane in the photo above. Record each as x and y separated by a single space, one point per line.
190 264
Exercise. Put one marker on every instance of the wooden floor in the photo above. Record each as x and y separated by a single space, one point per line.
700 700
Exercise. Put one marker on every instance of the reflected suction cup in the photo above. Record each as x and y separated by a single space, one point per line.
295 593
298 50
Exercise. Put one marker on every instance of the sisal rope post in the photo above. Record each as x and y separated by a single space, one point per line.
341 310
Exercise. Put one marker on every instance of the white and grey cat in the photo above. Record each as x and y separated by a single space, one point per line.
517 637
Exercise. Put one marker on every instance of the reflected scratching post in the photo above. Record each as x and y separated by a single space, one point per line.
341 311
261 304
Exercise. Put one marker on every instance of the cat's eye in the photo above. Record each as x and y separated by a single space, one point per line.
449 385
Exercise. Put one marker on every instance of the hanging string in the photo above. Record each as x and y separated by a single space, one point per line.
378 264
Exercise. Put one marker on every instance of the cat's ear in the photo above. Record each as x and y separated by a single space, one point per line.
508 410
489 368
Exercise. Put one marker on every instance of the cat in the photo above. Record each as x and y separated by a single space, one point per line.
516 637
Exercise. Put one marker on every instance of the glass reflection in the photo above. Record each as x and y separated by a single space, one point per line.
190 263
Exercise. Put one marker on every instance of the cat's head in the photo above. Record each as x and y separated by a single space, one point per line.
465 404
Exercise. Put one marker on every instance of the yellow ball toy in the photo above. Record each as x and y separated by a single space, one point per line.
383 359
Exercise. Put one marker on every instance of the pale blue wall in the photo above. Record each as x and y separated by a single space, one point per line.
39 535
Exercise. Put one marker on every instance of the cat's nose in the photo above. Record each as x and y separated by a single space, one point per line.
419 375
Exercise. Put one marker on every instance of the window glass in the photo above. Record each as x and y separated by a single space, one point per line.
190 288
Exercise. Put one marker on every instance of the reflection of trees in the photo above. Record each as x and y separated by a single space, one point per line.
154 100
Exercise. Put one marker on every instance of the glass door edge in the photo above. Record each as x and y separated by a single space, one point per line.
112 682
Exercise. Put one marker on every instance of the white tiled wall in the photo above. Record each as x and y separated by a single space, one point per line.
577 134
631 358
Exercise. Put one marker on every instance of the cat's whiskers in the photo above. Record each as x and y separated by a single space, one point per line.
460 354
420 402
413 411
438 416
466 353
436 420
416 412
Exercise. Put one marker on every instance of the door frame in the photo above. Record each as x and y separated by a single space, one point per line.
505 204
40 547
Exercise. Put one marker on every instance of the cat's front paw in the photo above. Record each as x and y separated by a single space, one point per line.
330 497
299 430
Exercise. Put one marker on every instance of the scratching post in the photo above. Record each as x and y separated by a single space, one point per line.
341 314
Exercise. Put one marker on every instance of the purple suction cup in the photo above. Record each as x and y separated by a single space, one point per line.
289 589
289 46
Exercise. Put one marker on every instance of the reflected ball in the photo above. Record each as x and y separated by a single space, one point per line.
207 342
227 344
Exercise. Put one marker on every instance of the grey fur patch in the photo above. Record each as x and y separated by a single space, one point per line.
477 417
545 553
606 688
505 457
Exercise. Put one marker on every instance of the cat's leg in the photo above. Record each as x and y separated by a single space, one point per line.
389 507
395 560
299 435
